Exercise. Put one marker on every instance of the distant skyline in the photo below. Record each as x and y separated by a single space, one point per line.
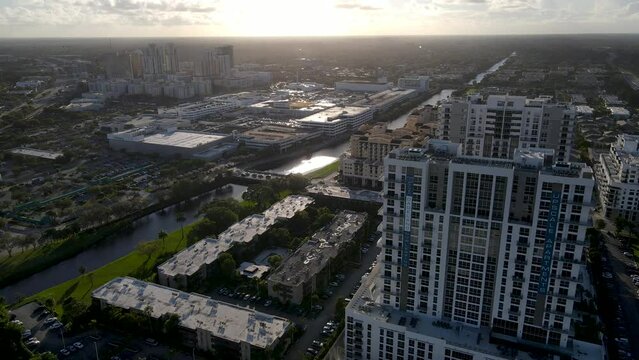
178 18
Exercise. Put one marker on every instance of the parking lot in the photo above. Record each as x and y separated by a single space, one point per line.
617 270
91 344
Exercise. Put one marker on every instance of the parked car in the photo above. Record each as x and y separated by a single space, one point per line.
78 345
151 342
65 352
606 275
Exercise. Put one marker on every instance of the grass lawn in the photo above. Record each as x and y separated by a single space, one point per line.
132 264
24 263
324 172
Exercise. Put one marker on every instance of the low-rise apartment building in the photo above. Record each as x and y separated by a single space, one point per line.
205 322
308 269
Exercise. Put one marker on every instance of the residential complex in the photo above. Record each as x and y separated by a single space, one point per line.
618 178
371 143
205 322
495 127
192 265
475 250
308 269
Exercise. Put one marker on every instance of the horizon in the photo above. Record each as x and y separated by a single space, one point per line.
333 18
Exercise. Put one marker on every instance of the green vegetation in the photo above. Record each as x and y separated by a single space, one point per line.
324 172
19 265
140 263
10 340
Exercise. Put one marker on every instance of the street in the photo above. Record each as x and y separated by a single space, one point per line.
626 293
314 326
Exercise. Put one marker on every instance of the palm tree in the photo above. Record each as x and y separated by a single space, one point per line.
181 219
162 236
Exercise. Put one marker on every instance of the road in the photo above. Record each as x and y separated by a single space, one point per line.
626 292
314 326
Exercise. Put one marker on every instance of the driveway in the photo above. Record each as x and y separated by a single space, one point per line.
314 326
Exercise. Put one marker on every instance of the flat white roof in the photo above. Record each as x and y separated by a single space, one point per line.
50 155
336 113
182 139
222 320
190 260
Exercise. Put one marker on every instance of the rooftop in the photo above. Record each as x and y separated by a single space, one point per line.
274 134
250 226
182 139
49 155
466 337
226 321
336 113
310 258
383 97
204 252
190 260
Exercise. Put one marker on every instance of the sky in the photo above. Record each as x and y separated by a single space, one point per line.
177 18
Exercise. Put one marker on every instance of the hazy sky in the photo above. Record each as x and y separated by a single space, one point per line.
86 18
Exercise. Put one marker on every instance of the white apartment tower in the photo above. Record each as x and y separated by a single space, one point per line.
500 124
618 178
474 250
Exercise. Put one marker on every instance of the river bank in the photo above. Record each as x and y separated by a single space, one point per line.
45 270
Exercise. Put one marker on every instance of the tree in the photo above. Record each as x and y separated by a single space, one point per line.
49 303
227 265
223 218
162 235
180 218
600 224
170 326
201 230
147 248
274 260
7 242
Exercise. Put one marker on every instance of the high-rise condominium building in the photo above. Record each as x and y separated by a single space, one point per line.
136 63
216 62
159 60
500 124
474 250
618 178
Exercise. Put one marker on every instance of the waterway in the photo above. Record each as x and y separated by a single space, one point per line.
144 229
321 158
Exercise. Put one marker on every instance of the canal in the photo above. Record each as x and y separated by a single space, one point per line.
144 229
321 158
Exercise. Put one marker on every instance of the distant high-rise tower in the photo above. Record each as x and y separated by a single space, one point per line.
136 62
216 62
500 124
159 60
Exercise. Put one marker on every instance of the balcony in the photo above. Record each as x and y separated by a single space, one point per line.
519 278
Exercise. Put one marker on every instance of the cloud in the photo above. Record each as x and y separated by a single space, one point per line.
116 12
356 6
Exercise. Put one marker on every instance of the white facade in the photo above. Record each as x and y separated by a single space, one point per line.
501 124
337 120
419 83
486 247
362 86
618 178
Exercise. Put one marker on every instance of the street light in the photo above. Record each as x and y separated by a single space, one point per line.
97 356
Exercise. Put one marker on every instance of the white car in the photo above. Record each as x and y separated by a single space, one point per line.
606 275
78 345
